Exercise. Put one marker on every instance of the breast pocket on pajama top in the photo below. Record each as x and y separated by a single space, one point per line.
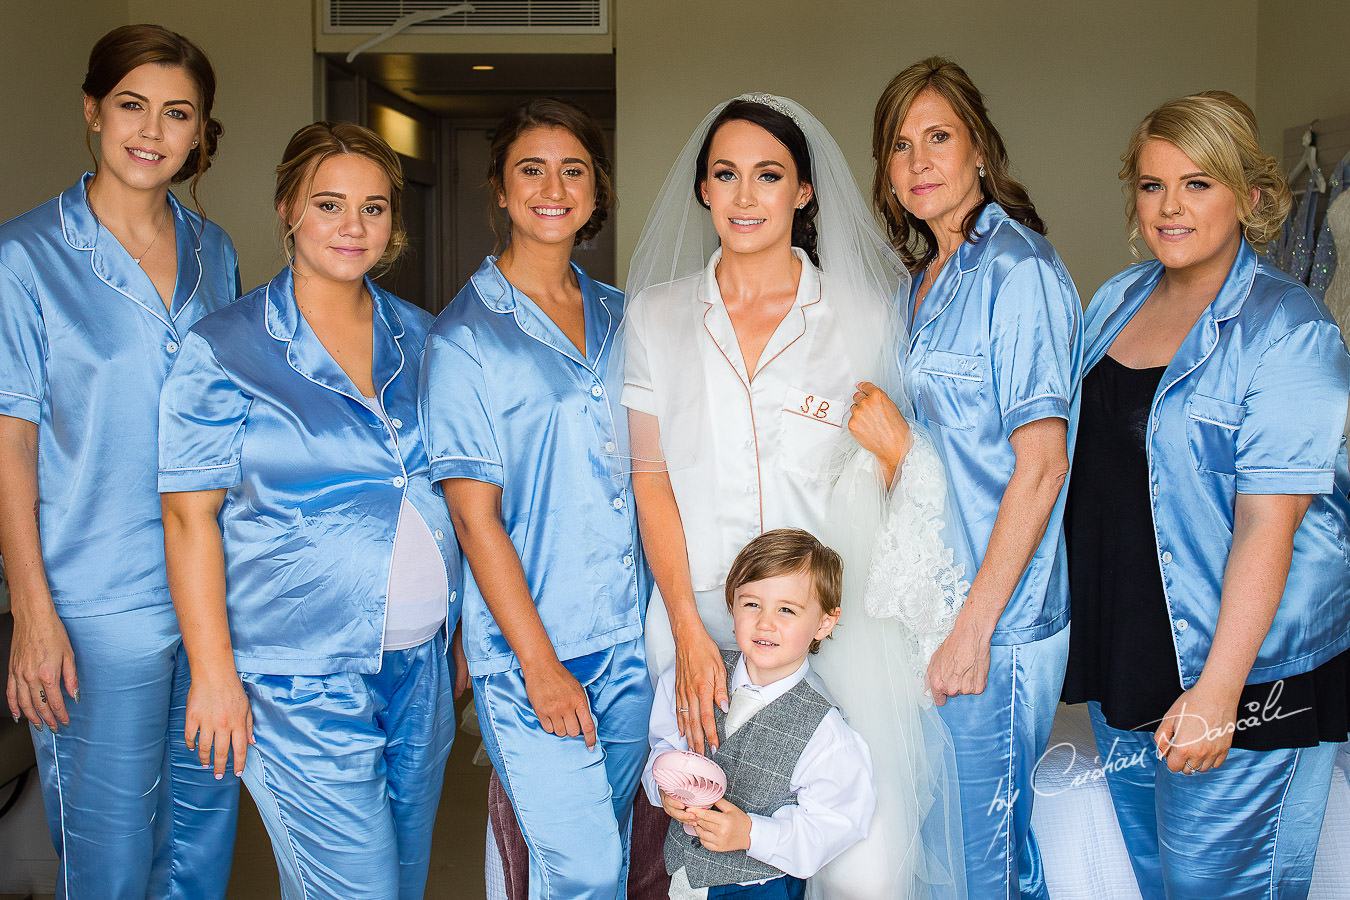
952 388
812 424
1211 429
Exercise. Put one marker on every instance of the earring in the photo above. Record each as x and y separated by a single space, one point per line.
801 206
194 143
893 190
981 170
95 126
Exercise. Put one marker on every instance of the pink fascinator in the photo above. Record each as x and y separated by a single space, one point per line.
691 778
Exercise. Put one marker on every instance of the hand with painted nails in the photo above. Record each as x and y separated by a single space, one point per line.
41 662
219 719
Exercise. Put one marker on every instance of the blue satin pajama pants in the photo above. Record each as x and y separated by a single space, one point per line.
347 773
132 813
998 737
1247 829
573 804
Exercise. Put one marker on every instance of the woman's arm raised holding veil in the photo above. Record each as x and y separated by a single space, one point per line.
701 679
880 428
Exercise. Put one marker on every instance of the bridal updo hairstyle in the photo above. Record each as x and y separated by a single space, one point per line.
550 112
307 150
910 235
787 133
1218 132
129 47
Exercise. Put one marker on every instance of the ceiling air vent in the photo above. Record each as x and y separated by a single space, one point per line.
488 17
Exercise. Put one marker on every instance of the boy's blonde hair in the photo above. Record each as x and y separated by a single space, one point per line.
787 551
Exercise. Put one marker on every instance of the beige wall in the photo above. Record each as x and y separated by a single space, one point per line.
1303 67
41 67
1064 82
264 61
1064 94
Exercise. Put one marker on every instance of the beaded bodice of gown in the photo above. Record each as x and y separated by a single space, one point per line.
1338 292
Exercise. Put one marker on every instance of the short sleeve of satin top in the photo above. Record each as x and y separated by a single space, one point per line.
997 344
86 342
315 480
507 399
1253 402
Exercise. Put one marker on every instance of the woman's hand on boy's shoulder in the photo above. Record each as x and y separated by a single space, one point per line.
723 828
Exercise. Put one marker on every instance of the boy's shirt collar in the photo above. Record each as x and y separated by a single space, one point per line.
769 692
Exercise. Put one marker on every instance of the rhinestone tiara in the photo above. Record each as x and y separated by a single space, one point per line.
772 103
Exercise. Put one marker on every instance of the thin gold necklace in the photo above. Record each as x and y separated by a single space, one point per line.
160 230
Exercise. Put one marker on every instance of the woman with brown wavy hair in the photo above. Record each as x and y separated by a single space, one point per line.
97 288
1207 522
993 363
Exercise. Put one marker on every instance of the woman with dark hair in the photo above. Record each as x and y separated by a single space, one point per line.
97 288
1212 469
311 564
520 404
763 393
993 358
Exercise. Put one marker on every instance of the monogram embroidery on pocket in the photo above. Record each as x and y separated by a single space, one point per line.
815 407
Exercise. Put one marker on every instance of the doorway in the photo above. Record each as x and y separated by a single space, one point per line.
438 111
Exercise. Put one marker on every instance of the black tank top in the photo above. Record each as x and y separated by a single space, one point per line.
1121 652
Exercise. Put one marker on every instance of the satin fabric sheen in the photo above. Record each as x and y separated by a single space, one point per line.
85 344
997 343
573 804
347 773
999 736
507 399
315 481
1253 402
1246 830
132 812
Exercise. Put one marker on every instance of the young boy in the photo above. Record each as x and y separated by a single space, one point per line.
799 780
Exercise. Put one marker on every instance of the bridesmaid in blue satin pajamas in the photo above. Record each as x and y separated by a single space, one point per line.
97 288
994 365
520 402
313 567
1211 473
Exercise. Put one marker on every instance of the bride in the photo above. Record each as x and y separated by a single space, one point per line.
763 391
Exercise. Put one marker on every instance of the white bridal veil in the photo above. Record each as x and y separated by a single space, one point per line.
902 590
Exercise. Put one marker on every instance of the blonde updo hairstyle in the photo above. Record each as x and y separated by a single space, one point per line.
307 150
1217 131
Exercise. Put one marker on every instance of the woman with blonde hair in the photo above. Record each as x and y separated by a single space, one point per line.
993 361
313 567
97 288
1208 520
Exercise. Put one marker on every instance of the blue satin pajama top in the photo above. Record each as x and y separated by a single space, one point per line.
315 479
508 400
1254 402
996 344
85 344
